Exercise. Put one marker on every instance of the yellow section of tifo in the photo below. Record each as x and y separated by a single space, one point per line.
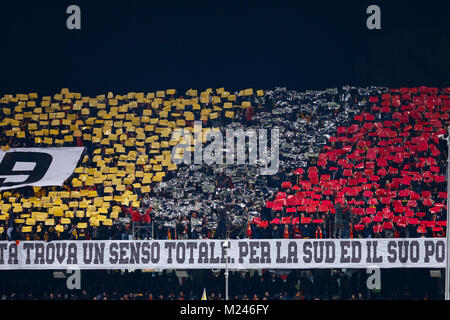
128 140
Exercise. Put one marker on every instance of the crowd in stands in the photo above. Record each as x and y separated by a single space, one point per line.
128 143
354 162
381 176
294 285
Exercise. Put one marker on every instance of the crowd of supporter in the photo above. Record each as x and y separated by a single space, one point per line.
294 285
383 175
354 162
128 146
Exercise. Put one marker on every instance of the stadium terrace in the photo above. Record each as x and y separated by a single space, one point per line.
354 163
362 168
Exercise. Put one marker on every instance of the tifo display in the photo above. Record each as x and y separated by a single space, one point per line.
353 163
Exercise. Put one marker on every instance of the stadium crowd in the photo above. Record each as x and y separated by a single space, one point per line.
381 176
296 285
354 162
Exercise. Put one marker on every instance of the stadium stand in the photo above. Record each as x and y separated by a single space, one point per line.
354 162
381 176
128 150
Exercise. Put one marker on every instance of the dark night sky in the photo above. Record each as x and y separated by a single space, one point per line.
145 45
